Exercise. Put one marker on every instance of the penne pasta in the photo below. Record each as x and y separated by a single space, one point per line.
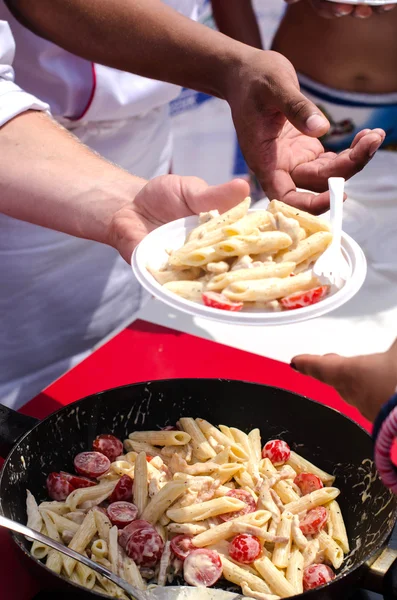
339 533
201 448
141 487
189 290
196 487
231 216
314 245
161 438
282 550
309 222
269 289
301 465
275 579
169 275
265 271
163 500
236 574
333 552
80 540
259 219
223 531
317 498
95 495
294 572
205 510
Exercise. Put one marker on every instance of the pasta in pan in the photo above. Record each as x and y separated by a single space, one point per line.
244 260
206 504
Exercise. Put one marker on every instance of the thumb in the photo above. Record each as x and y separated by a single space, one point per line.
327 369
203 198
300 111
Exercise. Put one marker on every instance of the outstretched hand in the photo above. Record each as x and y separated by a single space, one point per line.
278 127
366 382
167 198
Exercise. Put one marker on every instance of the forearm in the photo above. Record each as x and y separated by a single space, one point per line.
50 179
237 19
145 37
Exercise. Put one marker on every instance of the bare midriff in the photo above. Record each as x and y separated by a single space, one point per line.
343 53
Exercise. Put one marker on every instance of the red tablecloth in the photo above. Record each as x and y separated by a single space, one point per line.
144 352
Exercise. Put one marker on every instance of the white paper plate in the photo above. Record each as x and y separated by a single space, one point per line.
152 251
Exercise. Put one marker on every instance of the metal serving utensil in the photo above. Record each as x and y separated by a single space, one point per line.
155 592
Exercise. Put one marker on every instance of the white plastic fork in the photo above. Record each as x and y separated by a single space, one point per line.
332 268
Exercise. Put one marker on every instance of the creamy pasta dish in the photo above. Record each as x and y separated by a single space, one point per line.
194 505
249 260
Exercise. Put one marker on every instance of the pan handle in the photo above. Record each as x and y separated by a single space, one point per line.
12 426
381 576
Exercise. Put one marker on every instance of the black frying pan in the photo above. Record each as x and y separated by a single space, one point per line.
322 435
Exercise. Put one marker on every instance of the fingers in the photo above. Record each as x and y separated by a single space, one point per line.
282 187
362 12
312 203
330 10
329 368
346 164
203 198
384 8
366 147
299 111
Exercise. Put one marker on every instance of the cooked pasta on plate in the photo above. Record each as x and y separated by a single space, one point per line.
242 260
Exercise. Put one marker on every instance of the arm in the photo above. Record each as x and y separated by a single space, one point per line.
64 185
145 37
50 179
237 19
148 38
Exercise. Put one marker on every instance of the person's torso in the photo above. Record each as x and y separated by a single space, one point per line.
78 89
347 54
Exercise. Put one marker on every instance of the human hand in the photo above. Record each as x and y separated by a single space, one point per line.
330 10
283 154
167 198
366 382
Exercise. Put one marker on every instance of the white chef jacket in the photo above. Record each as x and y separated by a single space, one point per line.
61 295
13 100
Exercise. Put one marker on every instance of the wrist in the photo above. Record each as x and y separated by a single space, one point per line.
241 76
104 203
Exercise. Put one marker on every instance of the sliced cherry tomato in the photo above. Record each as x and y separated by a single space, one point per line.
314 521
182 546
91 464
149 458
245 548
78 482
215 300
317 575
58 487
123 490
302 299
307 483
244 496
145 547
130 529
202 567
277 451
122 513
108 445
